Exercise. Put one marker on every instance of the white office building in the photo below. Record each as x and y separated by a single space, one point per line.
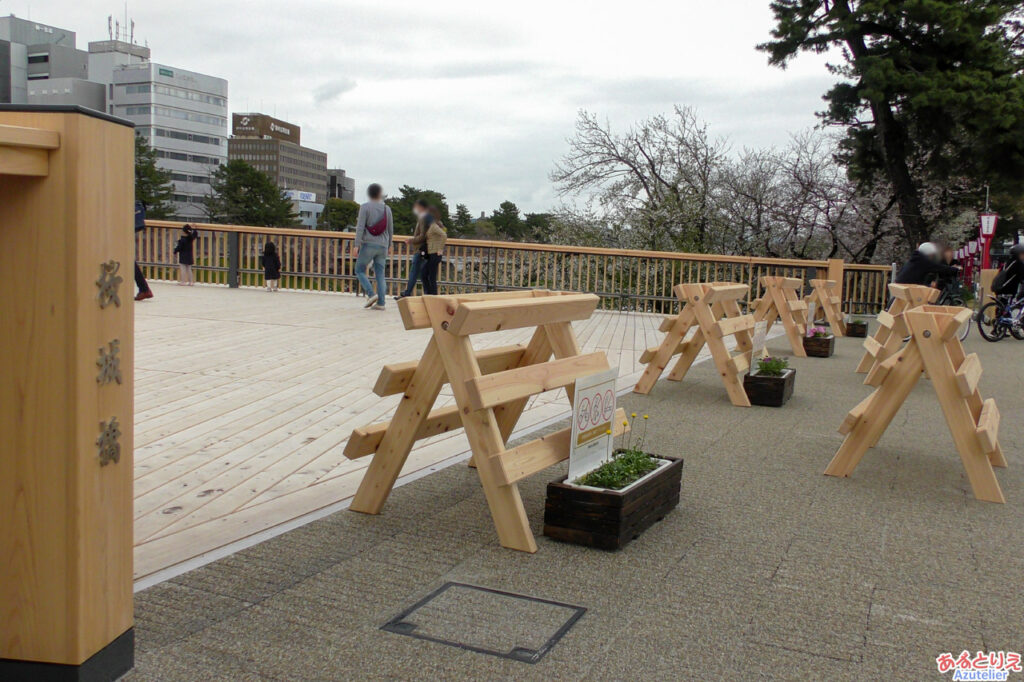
183 115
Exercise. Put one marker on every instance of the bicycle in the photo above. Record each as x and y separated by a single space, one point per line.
950 295
1004 314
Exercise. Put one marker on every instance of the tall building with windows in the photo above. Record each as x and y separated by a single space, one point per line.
340 185
273 146
31 51
183 115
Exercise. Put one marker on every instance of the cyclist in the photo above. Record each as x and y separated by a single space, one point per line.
924 265
1011 277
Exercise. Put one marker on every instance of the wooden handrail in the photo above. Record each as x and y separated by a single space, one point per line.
528 246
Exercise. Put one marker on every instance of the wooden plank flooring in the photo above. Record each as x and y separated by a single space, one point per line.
245 399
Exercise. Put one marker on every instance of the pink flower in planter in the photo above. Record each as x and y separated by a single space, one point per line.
813 332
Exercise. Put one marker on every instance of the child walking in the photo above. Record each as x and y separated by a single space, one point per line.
436 238
186 256
271 266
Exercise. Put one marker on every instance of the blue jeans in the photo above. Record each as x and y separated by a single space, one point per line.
414 273
376 254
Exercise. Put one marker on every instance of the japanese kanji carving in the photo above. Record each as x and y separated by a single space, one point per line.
108 283
108 442
109 363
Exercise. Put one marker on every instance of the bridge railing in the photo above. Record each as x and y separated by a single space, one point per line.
625 279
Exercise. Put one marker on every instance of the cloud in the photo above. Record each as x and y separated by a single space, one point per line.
473 99
332 90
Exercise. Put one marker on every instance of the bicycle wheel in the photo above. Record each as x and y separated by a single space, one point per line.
1017 330
988 325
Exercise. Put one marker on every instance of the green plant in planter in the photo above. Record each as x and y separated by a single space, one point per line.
772 367
816 332
625 467
627 464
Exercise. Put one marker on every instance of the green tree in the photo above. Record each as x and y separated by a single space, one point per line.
338 215
539 227
401 207
507 221
931 89
153 185
463 221
242 195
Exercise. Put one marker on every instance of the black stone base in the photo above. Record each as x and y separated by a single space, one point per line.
106 665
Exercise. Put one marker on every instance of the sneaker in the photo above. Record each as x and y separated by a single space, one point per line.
370 301
378 307
143 295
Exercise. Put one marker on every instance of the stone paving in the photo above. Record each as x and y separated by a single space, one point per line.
767 569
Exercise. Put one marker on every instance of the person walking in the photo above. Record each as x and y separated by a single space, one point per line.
271 266
418 245
375 227
186 255
924 266
436 237
140 279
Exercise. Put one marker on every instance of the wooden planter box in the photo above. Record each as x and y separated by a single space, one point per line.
768 390
857 330
820 346
609 519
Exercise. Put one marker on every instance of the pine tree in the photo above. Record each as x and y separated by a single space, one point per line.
153 185
242 195
931 89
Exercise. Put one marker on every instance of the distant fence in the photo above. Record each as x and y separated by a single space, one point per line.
625 279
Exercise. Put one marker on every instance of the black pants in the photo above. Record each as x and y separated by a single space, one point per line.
140 280
429 274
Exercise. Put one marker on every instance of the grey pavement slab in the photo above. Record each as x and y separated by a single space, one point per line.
766 570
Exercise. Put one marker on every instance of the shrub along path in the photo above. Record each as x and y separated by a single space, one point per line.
766 568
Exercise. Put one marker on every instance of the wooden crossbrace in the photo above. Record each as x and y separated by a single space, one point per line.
933 347
712 311
827 302
491 389
781 301
888 338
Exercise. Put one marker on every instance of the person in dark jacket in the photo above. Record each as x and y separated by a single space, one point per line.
417 244
948 282
1011 278
271 266
140 279
186 257
924 266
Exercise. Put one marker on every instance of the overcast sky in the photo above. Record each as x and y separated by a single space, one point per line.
471 98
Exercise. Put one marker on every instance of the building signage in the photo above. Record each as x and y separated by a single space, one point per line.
263 126
592 426
296 195
166 72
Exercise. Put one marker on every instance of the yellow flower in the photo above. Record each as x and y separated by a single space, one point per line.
625 423
646 416
633 415
608 431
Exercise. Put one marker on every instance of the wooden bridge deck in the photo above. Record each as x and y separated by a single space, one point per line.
245 399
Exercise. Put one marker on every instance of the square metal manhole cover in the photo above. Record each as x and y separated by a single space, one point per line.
487 621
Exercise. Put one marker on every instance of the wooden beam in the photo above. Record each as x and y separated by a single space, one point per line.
514 384
732 325
414 312
366 439
35 138
24 161
854 416
726 292
477 317
988 426
968 375
529 458
394 379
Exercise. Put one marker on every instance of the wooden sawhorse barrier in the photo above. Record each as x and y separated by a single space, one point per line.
935 348
781 301
491 388
828 303
892 329
714 310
